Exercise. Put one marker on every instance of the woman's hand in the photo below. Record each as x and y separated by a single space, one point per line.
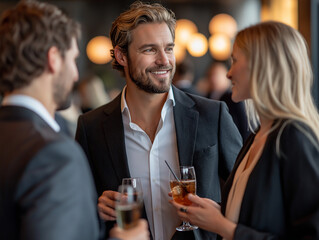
140 232
206 214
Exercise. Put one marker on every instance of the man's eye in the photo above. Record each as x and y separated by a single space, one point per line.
149 50
170 49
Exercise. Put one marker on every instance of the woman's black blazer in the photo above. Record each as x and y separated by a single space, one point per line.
281 200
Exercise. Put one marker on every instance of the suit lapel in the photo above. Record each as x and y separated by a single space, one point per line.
114 137
186 121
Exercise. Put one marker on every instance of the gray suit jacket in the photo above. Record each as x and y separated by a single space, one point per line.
207 139
47 191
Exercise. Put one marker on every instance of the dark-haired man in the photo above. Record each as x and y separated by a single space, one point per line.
46 187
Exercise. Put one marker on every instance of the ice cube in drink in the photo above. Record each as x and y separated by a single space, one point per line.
181 189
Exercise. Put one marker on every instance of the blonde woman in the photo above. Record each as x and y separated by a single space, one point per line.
272 192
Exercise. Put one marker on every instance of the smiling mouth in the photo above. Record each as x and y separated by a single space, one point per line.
160 72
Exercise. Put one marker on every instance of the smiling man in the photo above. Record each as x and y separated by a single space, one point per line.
151 121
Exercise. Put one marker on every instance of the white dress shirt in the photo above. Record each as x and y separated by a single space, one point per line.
33 105
146 161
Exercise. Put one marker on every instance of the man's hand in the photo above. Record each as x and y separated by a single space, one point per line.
106 205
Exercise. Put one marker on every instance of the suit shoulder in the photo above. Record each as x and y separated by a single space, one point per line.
95 112
36 137
206 103
56 144
295 136
292 129
115 104
63 151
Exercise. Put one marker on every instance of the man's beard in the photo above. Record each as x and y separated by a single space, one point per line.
62 97
147 85
65 104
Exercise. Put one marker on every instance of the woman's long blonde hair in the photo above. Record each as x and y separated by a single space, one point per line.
281 74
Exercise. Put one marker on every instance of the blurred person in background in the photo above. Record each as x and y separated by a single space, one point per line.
88 94
151 121
92 93
184 77
46 187
219 88
272 192
218 83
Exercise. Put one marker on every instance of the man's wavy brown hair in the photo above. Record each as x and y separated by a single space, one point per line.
138 13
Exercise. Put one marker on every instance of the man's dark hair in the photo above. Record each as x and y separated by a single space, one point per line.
27 32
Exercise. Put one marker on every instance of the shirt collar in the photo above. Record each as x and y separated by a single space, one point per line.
33 105
170 99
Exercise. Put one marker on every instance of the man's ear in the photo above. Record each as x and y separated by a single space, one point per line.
120 57
54 60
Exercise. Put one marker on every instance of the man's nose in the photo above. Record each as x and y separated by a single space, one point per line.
228 74
162 58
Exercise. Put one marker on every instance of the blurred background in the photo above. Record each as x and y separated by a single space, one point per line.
204 34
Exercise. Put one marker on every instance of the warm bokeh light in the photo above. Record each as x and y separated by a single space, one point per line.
197 45
223 23
220 46
180 52
285 11
98 50
184 29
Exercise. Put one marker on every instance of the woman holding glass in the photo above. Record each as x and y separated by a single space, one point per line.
272 192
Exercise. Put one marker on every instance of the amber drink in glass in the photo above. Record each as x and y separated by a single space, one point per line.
185 184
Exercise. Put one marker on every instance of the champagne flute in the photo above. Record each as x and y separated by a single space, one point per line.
134 182
180 187
128 207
